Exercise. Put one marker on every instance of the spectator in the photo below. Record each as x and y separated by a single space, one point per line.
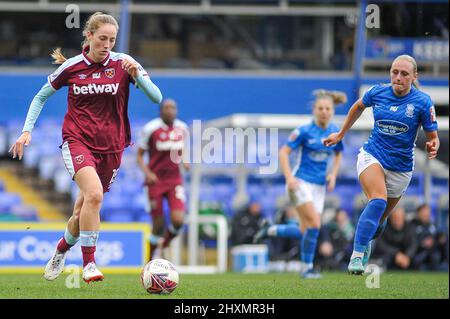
429 241
245 224
398 245
336 240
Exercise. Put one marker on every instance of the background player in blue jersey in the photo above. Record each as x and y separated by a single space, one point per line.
306 185
386 161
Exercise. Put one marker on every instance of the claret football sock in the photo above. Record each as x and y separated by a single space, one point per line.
170 234
88 245
66 242
153 243
368 223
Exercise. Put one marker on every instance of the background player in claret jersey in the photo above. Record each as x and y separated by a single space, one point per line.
95 131
306 185
162 138
386 161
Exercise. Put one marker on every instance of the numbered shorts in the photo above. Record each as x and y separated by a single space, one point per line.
396 182
76 156
173 193
308 192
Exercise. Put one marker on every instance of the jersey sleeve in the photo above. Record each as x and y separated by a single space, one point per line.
428 116
60 77
367 97
144 138
295 139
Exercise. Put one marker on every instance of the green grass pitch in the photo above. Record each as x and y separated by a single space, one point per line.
232 286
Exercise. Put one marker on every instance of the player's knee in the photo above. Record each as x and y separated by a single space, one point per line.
315 222
94 198
178 220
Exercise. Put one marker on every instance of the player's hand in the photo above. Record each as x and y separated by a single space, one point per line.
332 139
432 149
130 67
17 148
331 180
293 183
151 178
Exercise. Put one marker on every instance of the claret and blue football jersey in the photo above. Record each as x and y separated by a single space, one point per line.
314 156
397 122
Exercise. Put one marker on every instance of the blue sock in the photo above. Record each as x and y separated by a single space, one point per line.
288 231
380 229
308 246
368 223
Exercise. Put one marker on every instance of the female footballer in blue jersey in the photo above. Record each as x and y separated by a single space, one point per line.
386 161
306 185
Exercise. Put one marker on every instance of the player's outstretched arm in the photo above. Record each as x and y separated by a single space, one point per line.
353 114
283 155
143 82
33 113
331 177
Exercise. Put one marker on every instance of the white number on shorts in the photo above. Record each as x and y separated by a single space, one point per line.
114 175
179 193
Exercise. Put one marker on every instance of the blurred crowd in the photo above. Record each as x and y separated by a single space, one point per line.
411 241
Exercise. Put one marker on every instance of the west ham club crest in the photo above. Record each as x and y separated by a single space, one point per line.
110 73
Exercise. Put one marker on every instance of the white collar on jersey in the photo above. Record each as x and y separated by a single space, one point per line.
89 61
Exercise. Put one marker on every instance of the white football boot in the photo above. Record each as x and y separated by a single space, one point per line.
91 273
55 265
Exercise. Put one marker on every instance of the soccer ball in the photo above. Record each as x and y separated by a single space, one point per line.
159 276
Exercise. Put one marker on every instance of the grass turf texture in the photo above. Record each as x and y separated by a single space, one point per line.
231 285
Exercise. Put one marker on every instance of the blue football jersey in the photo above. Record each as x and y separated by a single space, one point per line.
397 122
314 156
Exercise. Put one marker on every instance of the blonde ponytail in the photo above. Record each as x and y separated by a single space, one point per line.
58 57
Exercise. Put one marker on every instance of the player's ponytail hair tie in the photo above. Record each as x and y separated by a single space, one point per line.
337 97
92 24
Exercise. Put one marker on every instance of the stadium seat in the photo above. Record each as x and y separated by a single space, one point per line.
8 201
25 212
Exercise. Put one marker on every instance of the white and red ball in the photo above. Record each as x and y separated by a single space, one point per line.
159 276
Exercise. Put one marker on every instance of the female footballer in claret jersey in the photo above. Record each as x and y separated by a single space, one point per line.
95 130
386 161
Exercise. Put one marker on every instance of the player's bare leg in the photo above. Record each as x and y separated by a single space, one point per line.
55 265
89 221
